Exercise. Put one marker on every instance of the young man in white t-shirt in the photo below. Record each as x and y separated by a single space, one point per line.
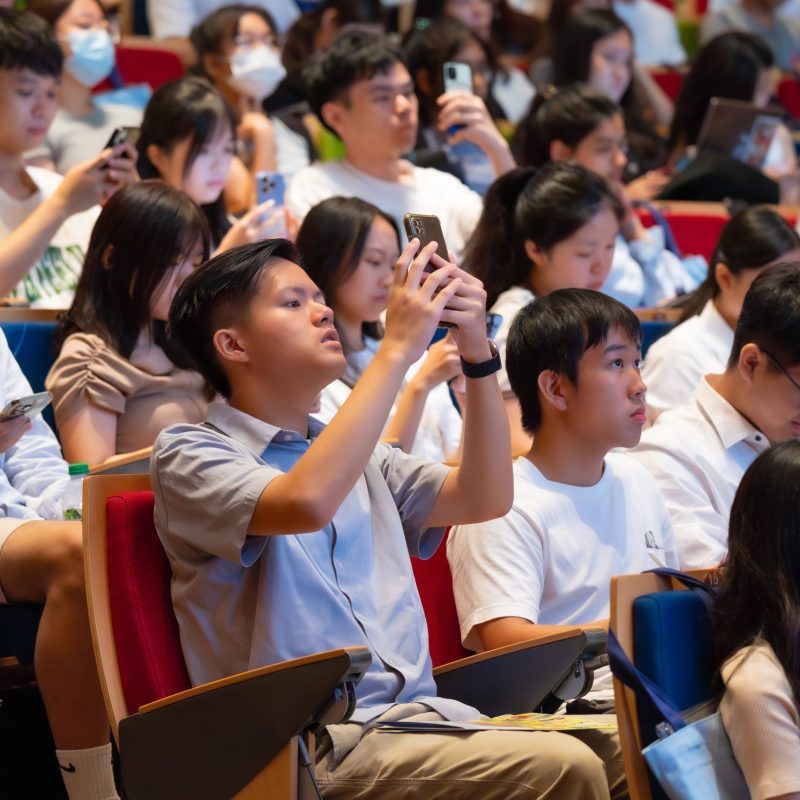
580 514
45 220
361 90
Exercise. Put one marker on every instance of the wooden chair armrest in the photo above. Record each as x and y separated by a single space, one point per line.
662 314
211 740
135 461
518 677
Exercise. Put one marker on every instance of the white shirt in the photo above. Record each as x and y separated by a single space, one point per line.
513 92
506 306
33 475
428 191
439 431
790 8
177 17
655 32
676 363
550 559
698 453
51 281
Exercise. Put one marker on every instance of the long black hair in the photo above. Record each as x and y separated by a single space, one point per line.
143 229
567 114
331 240
760 595
750 240
728 66
546 206
572 64
186 108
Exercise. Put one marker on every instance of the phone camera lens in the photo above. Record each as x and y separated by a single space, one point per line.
419 227
451 72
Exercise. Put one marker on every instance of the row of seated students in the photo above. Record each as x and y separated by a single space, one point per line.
254 328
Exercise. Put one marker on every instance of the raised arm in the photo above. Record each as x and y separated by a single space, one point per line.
306 498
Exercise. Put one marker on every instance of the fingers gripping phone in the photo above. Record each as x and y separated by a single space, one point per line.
457 78
124 134
427 228
30 406
270 186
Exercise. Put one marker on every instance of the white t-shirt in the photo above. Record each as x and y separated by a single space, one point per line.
655 32
177 17
428 191
51 281
506 306
551 558
513 92
697 454
439 432
676 363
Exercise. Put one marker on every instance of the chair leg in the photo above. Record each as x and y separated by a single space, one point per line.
278 780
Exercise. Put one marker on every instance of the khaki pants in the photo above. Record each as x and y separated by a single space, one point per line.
483 765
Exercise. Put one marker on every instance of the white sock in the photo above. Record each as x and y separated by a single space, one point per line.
87 773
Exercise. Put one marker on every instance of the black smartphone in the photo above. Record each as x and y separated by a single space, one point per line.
123 134
426 228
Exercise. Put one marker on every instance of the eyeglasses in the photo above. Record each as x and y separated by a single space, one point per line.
249 40
781 368
111 27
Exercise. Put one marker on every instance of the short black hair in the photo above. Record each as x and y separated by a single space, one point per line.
354 56
553 333
770 316
217 294
28 42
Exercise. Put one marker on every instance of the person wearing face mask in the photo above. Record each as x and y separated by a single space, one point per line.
82 125
237 52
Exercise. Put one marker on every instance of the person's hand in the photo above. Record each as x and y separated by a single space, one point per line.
442 363
630 227
417 301
12 430
92 182
469 112
265 221
647 186
255 126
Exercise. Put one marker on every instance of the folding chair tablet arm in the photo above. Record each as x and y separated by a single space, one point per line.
211 741
524 676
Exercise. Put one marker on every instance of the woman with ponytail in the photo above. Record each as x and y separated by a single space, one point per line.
752 240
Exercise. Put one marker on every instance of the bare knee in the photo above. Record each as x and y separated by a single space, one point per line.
62 550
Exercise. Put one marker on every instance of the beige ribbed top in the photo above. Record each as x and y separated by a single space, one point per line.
762 721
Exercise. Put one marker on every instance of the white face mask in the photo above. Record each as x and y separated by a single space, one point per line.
92 56
256 72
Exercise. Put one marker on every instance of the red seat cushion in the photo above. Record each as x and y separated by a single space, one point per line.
789 95
435 587
696 234
149 65
146 634
670 81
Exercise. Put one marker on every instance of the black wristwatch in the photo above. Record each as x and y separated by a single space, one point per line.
484 368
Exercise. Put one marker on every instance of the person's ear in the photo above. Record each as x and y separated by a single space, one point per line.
559 151
533 252
158 157
105 257
334 116
750 356
228 343
723 276
551 389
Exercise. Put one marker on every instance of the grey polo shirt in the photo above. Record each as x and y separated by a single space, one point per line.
245 601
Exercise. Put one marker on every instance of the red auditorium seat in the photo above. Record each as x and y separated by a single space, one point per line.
151 65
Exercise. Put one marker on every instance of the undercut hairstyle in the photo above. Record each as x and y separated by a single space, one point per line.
750 240
356 55
217 295
760 596
770 315
546 206
567 114
143 230
28 42
331 241
553 333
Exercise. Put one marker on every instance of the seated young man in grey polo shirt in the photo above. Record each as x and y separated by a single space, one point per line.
698 452
286 538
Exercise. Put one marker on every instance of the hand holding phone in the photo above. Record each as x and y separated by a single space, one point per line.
122 135
30 406
270 186
457 77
